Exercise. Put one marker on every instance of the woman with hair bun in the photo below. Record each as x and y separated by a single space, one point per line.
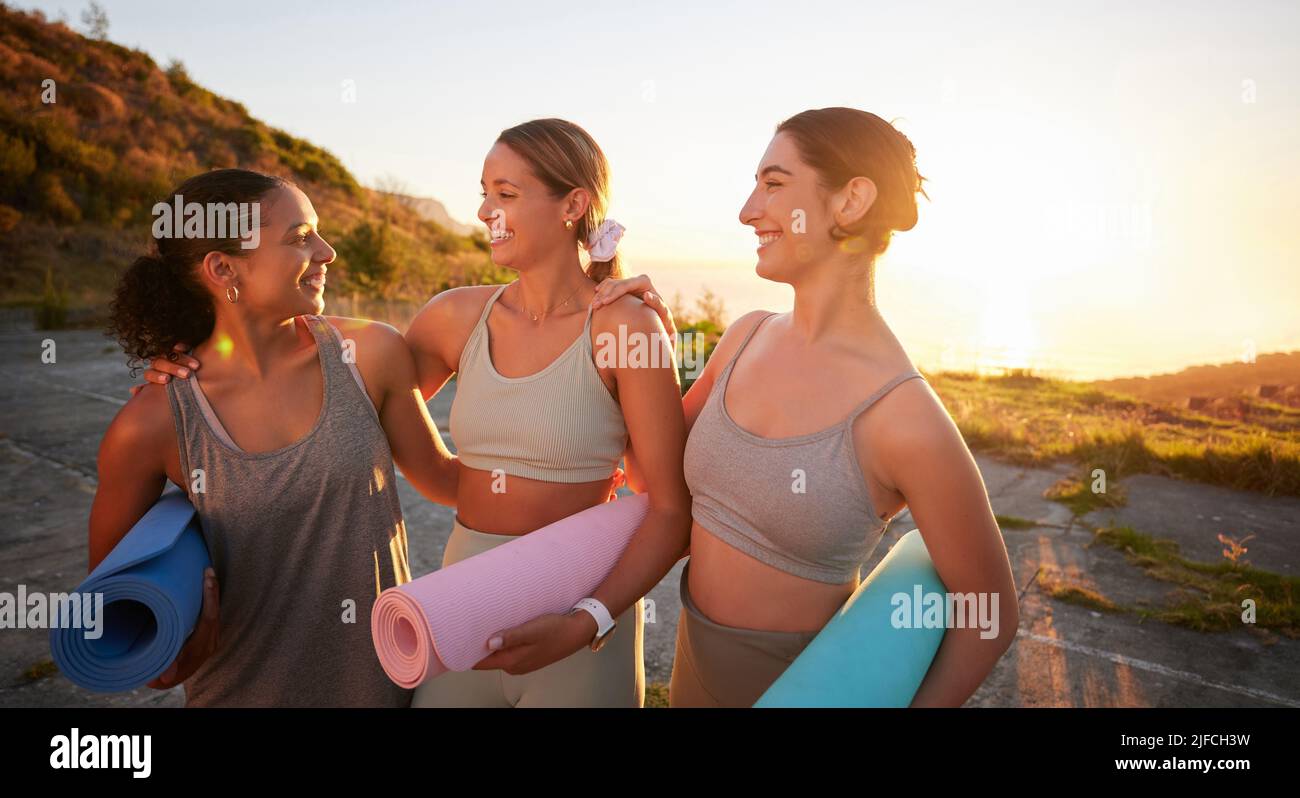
285 448
810 430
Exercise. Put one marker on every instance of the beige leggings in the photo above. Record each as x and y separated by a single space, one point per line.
611 677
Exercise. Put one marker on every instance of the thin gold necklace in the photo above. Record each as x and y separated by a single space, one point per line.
548 310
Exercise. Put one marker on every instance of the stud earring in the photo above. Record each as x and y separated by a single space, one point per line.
568 224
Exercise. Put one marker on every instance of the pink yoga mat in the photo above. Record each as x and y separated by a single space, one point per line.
442 621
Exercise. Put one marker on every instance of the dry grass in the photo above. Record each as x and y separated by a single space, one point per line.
656 695
1210 595
1063 588
1032 420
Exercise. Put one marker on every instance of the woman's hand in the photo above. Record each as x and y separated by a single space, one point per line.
618 480
538 643
163 368
202 641
640 286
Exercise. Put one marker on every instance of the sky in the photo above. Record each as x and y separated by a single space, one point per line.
1114 186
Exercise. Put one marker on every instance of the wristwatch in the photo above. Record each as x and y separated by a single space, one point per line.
605 623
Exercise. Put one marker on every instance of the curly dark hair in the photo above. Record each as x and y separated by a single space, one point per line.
160 300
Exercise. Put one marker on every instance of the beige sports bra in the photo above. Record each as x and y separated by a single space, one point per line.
559 424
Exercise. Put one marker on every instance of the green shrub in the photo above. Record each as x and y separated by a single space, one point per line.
369 255
62 148
54 201
17 162
179 77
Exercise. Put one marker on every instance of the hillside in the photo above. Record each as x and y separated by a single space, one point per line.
1032 420
92 134
1221 390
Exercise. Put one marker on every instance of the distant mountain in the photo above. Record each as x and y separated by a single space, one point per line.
1273 377
92 134
436 212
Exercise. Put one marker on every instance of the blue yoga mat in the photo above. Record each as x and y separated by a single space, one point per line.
152 583
860 659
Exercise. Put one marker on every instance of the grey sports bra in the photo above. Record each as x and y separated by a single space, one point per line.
799 504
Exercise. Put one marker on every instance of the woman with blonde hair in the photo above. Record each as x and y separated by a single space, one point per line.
540 421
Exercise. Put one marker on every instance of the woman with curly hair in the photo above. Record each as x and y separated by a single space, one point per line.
285 447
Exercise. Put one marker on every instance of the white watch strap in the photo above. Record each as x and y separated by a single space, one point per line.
604 621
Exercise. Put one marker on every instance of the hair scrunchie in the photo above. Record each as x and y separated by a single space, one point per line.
604 241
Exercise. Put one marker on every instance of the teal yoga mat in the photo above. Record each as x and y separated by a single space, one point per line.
860 658
152 584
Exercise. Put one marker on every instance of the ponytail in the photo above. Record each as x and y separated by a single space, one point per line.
156 306
160 300
599 270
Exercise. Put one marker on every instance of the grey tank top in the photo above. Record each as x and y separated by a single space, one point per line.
799 504
302 540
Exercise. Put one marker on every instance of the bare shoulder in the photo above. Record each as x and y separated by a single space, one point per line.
909 425
729 343
462 302
723 353
629 312
143 424
440 330
380 352
450 314
368 331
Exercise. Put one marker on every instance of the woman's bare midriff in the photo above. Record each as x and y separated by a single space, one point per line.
734 589
524 505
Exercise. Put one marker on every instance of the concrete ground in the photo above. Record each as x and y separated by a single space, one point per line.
52 417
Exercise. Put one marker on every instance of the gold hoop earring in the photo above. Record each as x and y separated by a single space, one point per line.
235 298
568 224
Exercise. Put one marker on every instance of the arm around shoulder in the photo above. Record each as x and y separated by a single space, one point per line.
439 331
388 368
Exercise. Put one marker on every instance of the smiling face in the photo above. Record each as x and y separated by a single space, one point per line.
524 220
790 213
285 275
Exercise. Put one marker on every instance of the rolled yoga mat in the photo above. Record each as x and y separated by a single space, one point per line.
152 586
860 658
442 621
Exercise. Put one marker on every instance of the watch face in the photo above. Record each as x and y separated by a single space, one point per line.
599 642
